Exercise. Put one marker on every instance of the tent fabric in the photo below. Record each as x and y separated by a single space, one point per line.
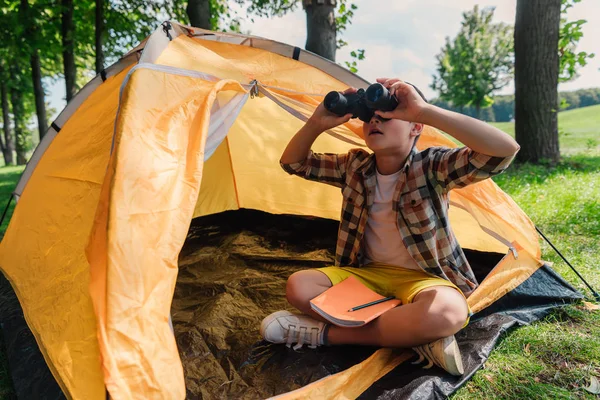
232 272
141 154
132 284
42 251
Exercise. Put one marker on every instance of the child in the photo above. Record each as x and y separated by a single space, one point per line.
394 233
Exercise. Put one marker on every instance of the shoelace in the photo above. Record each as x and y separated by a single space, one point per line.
298 334
425 352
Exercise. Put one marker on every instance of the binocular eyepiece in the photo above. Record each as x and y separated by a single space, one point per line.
361 104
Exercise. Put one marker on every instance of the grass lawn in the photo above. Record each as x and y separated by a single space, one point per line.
579 130
553 358
556 357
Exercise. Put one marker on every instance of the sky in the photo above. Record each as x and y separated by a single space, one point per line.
402 37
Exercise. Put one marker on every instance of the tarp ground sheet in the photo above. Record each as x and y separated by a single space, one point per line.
233 270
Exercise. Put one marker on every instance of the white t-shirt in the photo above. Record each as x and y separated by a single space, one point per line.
382 240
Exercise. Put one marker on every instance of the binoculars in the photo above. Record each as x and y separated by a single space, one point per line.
361 104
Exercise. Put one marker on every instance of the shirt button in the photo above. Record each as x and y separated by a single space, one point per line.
413 202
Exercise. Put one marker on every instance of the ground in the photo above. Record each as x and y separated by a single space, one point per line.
556 357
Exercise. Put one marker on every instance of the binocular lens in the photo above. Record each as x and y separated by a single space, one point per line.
375 92
336 103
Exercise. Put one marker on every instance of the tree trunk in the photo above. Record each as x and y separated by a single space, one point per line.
19 122
478 111
536 79
3 148
320 27
68 32
199 13
38 92
9 143
30 35
99 34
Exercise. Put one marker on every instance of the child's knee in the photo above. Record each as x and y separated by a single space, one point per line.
294 289
453 319
302 286
447 311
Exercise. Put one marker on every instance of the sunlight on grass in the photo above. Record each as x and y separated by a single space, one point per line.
579 130
553 358
9 176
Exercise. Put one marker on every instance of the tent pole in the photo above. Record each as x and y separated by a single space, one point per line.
596 295
6 209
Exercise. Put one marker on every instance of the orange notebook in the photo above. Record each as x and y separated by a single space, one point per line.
335 303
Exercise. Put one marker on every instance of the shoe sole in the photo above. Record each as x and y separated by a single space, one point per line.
454 360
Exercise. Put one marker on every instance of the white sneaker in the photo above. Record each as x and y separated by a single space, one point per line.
288 328
444 353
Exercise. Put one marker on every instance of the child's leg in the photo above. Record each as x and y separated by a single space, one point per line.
435 313
303 286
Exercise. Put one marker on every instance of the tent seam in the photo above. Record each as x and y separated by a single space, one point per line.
235 186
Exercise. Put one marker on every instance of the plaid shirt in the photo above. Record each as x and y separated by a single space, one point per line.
420 201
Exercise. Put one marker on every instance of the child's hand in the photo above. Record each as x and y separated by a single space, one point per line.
324 120
410 104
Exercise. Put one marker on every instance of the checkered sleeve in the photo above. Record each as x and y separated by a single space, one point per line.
459 167
321 167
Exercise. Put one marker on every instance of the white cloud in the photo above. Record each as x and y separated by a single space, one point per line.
401 37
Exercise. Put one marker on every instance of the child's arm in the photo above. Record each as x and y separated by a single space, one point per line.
475 134
321 120
298 159
489 151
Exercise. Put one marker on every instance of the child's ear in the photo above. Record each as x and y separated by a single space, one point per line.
416 129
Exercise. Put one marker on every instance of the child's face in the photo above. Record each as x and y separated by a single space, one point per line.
395 134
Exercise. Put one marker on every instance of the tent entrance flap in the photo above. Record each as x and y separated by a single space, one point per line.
148 196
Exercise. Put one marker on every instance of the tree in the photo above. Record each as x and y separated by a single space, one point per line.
19 116
99 33
476 63
199 13
8 146
29 34
536 79
68 34
321 33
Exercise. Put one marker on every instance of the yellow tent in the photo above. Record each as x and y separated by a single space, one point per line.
189 123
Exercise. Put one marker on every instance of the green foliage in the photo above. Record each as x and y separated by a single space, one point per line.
477 62
344 15
357 55
269 8
569 35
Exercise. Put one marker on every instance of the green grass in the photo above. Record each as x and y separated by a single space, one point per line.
579 130
553 358
9 176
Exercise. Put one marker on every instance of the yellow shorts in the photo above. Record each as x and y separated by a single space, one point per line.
388 280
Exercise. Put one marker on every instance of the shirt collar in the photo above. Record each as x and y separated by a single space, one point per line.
368 166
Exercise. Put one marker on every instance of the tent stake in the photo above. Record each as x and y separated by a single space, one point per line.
596 295
6 209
